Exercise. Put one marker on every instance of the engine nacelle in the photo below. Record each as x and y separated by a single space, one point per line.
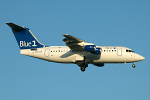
99 64
92 49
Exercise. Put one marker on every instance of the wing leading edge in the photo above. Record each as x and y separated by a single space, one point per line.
75 43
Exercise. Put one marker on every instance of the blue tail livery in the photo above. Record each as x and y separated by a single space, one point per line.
24 37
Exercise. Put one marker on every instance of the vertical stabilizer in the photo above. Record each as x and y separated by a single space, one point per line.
24 37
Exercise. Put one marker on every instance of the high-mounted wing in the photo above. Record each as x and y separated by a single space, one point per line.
72 42
75 43
71 38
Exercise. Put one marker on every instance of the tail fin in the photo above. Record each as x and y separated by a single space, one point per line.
24 37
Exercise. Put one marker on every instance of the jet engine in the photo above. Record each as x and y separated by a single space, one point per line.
99 64
92 49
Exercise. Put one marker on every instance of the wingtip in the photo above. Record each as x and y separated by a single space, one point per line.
9 23
65 34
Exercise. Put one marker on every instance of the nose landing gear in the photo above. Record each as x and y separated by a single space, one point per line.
133 65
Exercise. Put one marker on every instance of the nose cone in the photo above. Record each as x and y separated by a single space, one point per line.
140 58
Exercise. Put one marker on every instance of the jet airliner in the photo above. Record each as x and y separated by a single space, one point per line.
76 50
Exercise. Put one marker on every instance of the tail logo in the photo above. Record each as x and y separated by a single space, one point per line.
24 37
27 44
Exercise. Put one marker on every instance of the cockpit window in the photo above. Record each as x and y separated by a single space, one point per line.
129 50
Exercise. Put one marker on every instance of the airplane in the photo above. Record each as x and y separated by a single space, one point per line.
76 50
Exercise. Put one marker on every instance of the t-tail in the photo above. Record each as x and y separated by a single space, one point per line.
24 37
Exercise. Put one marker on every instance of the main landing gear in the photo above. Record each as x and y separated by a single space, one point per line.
82 69
133 65
82 64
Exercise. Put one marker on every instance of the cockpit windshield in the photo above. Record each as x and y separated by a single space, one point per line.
129 50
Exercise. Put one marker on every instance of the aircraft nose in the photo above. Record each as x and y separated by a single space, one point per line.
141 58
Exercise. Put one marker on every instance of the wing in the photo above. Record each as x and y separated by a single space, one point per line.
71 38
72 42
75 43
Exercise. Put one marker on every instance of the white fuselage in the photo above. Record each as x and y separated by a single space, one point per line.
63 54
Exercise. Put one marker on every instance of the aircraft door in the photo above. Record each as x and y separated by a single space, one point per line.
46 52
119 51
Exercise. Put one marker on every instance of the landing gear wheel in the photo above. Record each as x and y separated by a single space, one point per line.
133 65
82 69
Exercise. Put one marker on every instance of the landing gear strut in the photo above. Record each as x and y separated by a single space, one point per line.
133 65
82 64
